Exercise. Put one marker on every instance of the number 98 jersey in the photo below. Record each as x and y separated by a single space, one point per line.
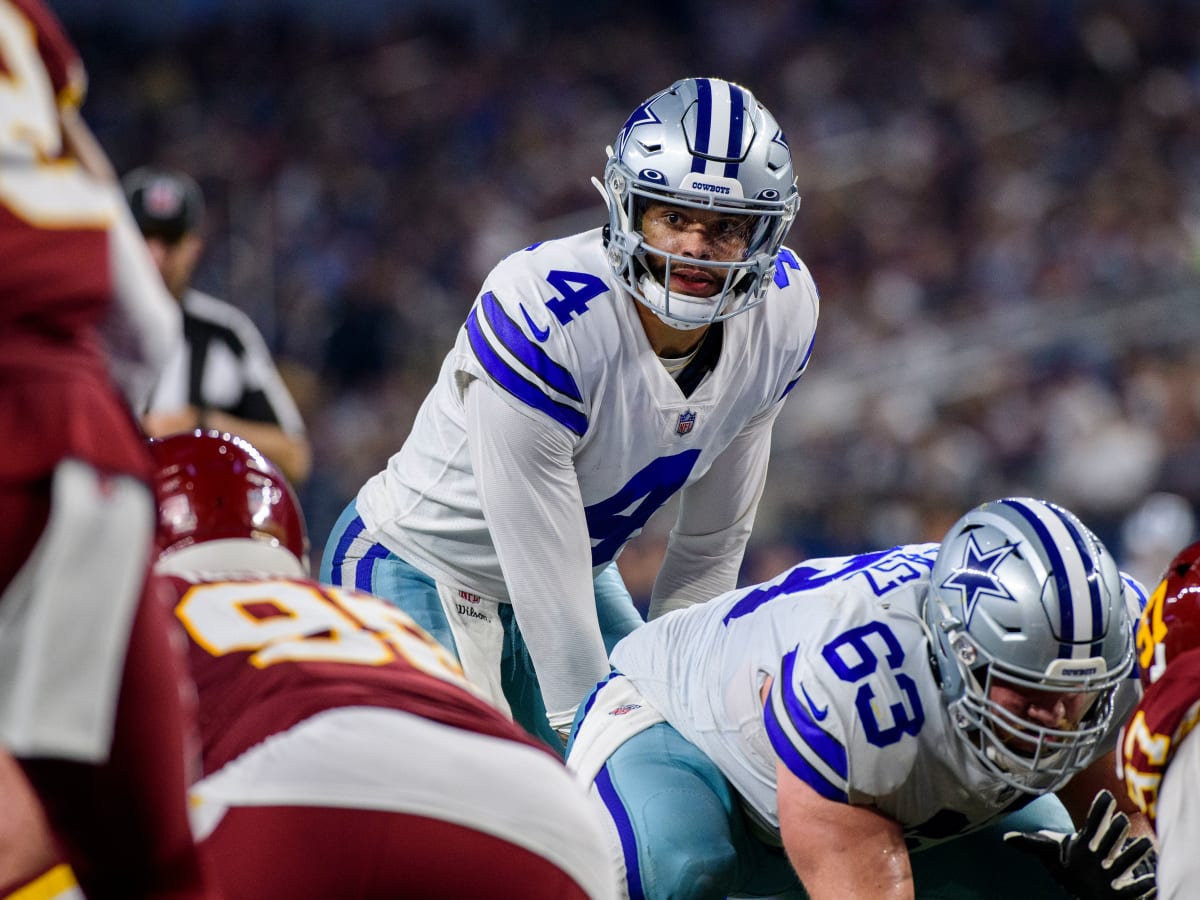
268 652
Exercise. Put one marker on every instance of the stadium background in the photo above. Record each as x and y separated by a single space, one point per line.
1001 208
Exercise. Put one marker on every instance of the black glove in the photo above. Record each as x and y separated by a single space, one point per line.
1097 862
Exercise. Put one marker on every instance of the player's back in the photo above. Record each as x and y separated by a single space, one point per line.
266 653
55 281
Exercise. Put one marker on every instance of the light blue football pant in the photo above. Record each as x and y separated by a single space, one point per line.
684 836
380 572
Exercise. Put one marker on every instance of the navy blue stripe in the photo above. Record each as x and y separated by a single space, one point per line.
1084 546
703 123
796 763
803 367
620 817
534 357
828 748
591 697
1058 566
737 114
503 374
366 566
353 530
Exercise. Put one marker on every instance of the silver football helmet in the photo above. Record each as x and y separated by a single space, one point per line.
707 144
1023 596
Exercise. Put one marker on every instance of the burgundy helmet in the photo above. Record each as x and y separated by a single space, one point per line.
1170 624
211 486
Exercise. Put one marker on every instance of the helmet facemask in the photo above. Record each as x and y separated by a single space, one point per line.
1024 754
657 160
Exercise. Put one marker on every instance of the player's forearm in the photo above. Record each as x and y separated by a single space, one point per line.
862 877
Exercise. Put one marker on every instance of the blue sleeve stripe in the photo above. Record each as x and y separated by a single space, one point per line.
504 375
620 817
796 763
827 748
533 357
799 372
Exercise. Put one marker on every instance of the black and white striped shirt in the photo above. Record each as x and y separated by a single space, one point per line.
222 362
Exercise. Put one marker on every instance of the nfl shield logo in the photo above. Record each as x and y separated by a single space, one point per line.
685 423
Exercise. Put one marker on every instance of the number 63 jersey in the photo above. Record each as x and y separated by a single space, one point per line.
854 708
558 339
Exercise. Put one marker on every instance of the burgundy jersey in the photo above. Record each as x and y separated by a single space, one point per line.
1168 711
268 653
55 283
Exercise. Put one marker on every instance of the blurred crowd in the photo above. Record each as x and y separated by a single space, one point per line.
1001 209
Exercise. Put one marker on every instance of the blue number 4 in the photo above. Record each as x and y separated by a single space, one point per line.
853 657
577 288
614 521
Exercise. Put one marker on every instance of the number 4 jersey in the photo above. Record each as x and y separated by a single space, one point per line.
854 707
557 338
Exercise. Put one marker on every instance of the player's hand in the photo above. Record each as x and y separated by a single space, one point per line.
1098 862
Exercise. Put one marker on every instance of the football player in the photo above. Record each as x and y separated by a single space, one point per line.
841 721
1160 763
89 691
596 377
344 754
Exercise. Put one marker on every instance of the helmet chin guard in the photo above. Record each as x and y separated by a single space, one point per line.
706 144
1024 598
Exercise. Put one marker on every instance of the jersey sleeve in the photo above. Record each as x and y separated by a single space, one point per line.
59 56
266 398
1166 714
527 360
799 307
841 729
530 496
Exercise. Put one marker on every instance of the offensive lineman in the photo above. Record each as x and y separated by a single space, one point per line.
851 711
597 376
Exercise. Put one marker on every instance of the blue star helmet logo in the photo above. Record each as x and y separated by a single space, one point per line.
643 115
975 576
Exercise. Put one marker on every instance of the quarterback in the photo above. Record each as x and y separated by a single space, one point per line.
596 377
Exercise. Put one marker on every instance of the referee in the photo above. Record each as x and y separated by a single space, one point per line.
221 375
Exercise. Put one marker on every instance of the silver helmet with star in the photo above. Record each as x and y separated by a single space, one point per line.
1024 596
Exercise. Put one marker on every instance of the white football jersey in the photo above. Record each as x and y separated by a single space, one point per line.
555 335
845 647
